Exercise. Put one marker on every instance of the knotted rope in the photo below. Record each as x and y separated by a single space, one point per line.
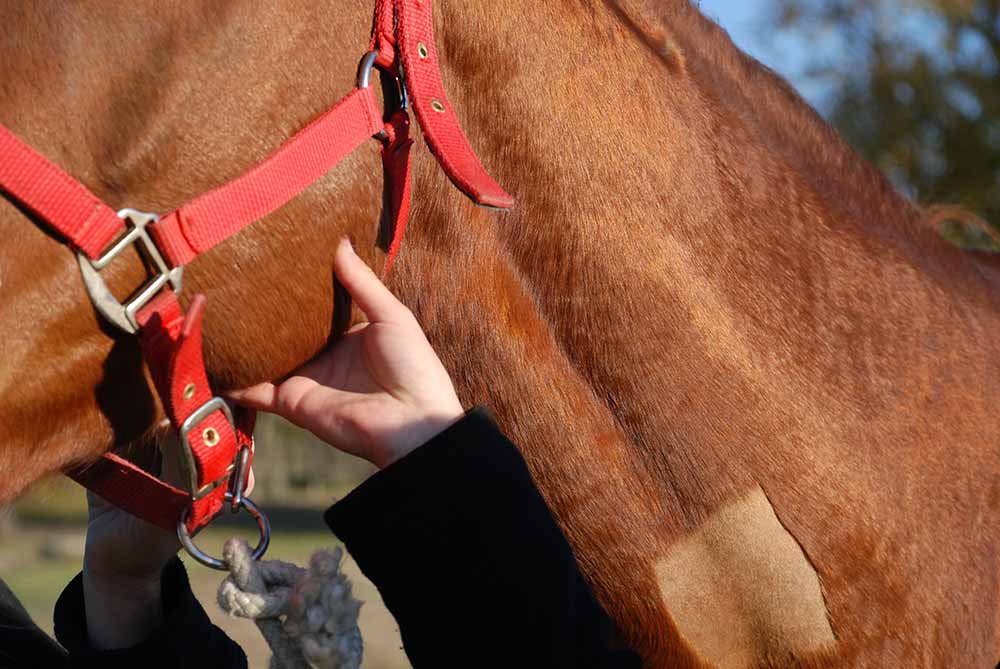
308 617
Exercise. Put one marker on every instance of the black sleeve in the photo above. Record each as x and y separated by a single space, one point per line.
22 643
469 559
188 638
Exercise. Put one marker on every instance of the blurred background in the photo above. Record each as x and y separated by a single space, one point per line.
911 83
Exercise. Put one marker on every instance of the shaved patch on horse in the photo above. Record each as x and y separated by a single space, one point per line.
741 589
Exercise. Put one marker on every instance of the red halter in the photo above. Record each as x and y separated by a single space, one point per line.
216 448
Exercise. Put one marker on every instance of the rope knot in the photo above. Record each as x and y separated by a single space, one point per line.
309 617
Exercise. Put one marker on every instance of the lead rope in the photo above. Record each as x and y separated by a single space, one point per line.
308 617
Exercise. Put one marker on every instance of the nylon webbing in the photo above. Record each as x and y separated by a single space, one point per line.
403 35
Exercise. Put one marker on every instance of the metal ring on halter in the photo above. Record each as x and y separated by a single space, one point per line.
215 563
402 96
365 68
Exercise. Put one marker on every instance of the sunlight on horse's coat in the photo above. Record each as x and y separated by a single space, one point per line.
740 588
702 289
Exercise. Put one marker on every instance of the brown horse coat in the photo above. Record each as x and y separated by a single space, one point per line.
754 387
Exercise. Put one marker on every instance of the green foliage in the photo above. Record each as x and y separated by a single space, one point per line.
915 88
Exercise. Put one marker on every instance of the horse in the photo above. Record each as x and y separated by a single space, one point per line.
753 385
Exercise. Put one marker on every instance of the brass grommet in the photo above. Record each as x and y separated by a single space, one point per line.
189 391
422 50
437 106
210 436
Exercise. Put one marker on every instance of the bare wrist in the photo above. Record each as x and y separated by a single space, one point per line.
416 435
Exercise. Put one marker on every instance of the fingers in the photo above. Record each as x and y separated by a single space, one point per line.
261 396
314 407
375 300
293 399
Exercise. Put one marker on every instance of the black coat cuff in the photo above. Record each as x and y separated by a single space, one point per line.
22 643
188 637
470 561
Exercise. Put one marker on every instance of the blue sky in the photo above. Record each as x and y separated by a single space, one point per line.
751 25
747 22
740 17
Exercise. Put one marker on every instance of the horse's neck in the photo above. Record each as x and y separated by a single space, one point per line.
686 192
675 132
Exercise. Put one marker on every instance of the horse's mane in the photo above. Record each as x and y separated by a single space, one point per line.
681 35
778 113
940 214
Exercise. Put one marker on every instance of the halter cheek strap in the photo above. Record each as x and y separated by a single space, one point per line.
217 447
410 49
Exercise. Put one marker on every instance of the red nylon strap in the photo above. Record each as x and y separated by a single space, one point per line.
128 487
396 189
171 342
415 29
402 29
300 161
384 33
55 197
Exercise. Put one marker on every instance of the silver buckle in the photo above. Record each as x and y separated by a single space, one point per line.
234 497
187 427
123 316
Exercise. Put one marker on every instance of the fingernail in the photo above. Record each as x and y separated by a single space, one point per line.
346 241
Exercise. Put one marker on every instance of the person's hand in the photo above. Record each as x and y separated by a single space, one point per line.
122 562
380 391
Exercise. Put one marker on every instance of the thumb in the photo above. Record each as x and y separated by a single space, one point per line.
375 300
262 396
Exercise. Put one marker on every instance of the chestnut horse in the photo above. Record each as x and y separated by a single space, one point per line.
755 388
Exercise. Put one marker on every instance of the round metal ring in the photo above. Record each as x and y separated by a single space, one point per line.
263 527
365 69
364 79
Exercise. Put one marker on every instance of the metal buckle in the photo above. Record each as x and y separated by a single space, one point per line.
402 95
263 527
121 315
188 426
236 474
